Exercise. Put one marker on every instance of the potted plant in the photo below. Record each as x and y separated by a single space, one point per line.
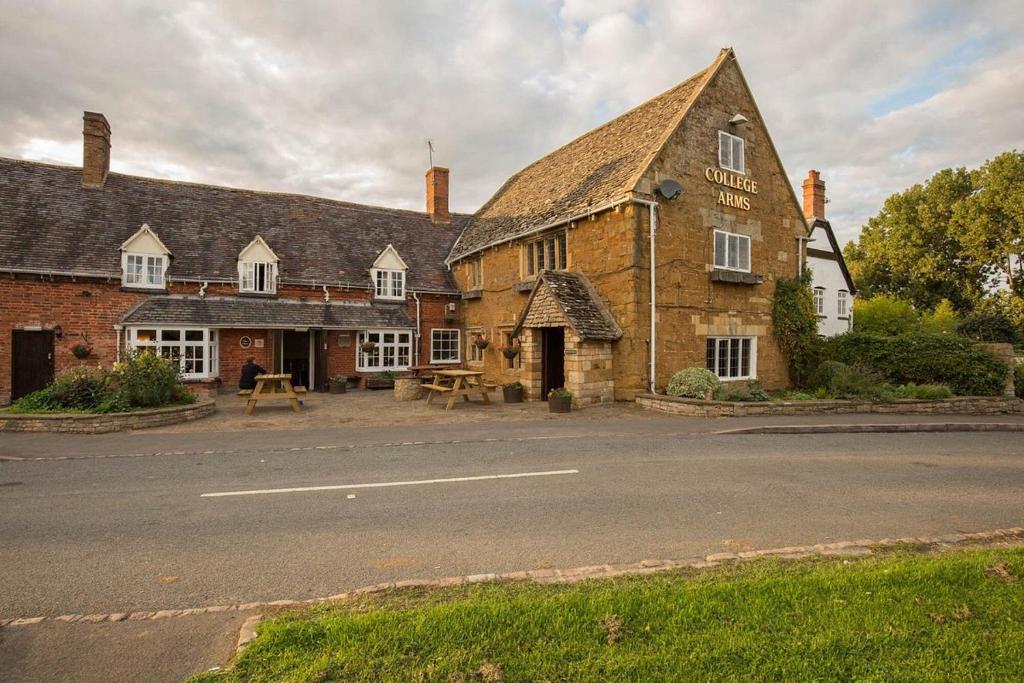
339 384
368 346
512 393
510 352
383 380
480 342
559 400
81 351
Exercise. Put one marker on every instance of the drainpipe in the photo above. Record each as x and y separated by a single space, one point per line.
416 346
652 207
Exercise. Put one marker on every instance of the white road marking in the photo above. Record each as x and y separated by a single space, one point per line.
386 484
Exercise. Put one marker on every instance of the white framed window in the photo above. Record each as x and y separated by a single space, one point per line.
258 277
474 354
383 350
547 253
843 303
732 357
194 349
732 251
143 270
389 284
730 152
444 345
819 300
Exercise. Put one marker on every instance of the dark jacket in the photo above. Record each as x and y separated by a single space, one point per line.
249 372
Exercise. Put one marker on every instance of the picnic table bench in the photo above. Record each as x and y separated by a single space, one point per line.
287 391
455 383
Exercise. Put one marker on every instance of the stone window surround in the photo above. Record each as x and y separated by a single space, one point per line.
751 361
740 239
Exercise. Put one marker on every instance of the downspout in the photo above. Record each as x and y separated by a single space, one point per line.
652 207
416 346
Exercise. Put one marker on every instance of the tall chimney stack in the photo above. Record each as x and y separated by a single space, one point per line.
814 196
437 195
96 149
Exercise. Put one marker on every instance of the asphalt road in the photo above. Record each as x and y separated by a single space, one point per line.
132 532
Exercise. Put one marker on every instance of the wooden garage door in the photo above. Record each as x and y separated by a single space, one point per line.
31 361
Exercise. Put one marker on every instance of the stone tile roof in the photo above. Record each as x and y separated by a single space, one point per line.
578 301
266 313
596 168
49 222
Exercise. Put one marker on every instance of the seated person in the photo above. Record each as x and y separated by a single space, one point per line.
249 372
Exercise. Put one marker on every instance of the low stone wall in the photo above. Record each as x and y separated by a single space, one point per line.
84 423
969 405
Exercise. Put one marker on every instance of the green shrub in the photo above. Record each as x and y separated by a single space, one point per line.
693 383
80 389
962 365
795 325
146 380
884 315
843 381
1018 380
988 327
742 391
942 320
927 392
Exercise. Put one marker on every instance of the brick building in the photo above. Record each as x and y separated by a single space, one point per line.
557 263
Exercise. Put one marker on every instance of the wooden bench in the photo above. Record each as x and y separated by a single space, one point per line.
436 387
248 392
245 392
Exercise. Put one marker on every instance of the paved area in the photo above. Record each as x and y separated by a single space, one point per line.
124 525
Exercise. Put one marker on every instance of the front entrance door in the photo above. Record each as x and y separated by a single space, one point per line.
31 361
552 366
321 381
295 348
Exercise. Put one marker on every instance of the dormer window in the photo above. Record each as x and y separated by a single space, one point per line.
388 275
257 268
144 260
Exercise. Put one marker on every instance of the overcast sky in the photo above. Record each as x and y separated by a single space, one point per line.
338 98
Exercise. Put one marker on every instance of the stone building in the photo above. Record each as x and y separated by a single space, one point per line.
669 223
833 286
691 177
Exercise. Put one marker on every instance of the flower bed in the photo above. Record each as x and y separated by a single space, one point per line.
102 423
958 405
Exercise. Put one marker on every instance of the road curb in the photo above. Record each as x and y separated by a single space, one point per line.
879 428
860 547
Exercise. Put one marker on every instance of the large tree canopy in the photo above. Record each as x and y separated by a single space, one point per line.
955 237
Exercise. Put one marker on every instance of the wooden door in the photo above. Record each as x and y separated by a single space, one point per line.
552 360
31 361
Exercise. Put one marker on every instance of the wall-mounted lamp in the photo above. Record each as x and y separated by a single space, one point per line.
737 120
58 331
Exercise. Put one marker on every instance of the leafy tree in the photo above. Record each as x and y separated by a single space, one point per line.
885 315
911 250
943 320
992 219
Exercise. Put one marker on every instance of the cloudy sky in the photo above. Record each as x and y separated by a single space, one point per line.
338 98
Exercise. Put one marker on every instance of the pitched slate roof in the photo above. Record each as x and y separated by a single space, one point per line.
48 221
581 305
594 169
264 313
834 248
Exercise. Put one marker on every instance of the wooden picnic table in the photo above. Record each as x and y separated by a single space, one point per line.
287 391
457 383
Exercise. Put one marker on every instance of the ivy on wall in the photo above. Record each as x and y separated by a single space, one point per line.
795 325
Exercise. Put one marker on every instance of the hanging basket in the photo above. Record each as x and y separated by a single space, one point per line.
510 352
481 343
368 346
81 351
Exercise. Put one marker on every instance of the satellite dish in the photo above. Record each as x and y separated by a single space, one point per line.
669 189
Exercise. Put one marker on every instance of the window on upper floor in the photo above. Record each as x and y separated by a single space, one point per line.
389 284
730 152
843 304
546 253
732 251
143 270
258 277
819 300
475 274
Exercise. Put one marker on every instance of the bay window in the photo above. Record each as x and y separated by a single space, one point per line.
192 349
383 350
732 357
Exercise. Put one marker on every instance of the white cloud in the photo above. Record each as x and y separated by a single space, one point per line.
338 98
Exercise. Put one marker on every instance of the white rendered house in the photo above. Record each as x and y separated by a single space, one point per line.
833 287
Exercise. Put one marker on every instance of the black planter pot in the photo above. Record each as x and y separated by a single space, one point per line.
339 387
559 404
512 394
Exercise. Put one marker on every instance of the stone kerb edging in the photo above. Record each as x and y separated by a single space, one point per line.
89 423
959 405
859 547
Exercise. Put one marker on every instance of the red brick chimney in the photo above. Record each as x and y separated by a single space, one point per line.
437 195
814 196
96 149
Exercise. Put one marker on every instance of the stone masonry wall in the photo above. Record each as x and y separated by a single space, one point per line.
102 424
970 405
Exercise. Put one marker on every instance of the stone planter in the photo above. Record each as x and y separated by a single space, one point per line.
559 404
512 394
408 389
339 387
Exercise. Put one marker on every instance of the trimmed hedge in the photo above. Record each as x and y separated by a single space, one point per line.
954 361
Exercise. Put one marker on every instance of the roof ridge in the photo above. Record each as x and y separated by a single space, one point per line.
227 188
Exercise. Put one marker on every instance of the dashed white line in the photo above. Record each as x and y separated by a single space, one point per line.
387 484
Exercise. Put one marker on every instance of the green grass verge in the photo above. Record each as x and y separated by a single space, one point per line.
905 616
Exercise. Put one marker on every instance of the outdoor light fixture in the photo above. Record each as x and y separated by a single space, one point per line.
737 120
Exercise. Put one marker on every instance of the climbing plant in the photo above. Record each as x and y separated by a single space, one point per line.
795 325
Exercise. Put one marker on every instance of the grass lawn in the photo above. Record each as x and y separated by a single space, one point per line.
901 616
